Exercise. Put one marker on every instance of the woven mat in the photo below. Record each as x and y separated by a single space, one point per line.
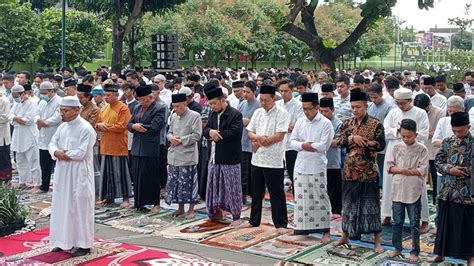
347 254
267 214
38 206
195 231
106 216
150 223
283 246
386 235
427 242
241 238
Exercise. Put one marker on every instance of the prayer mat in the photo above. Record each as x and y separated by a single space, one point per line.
38 206
241 238
32 248
195 231
427 242
107 216
267 214
148 224
386 235
346 254
283 246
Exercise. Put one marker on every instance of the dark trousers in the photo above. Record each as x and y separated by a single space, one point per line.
398 216
46 164
434 179
380 160
245 172
334 179
290 159
272 178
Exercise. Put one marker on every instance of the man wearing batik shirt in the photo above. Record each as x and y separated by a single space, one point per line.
363 136
311 138
454 237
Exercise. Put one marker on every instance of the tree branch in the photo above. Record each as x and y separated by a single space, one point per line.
133 17
352 39
300 34
296 7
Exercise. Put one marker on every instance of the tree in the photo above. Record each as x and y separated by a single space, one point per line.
371 11
462 40
40 5
21 34
85 37
463 24
123 14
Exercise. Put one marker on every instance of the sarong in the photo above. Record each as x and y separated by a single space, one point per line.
96 162
146 185
312 205
360 208
224 190
115 178
182 185
5 164
455 234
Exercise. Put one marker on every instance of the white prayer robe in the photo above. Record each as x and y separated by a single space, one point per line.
72 212
439 101
25 142
392 137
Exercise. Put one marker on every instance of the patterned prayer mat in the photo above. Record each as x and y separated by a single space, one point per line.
387 235
32 248
195 231
346 254
115 213
283 246
241 238
150 223
427 242
267 214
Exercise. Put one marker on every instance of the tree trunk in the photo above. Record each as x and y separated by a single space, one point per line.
117 45
229 59
274 60
131 48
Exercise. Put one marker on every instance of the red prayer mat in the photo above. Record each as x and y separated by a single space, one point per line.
32 248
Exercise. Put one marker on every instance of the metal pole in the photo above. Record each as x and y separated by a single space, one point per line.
63 33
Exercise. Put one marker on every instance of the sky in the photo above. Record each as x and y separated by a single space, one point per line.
422 19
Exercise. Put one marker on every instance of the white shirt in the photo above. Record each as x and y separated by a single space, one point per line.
72 209
49 111
394 118
444 130
5 137
320 132
24 136
316 88
265 123
165 96
295 110
234 101
439 101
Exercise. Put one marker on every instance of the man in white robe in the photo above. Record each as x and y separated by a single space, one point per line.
405 109
24 140
72 213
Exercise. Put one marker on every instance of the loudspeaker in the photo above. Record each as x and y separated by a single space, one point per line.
164 51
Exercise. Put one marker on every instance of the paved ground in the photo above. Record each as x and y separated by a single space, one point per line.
181 247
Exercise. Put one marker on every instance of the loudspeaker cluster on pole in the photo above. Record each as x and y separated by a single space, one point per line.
164 49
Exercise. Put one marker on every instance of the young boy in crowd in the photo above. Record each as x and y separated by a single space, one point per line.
409 165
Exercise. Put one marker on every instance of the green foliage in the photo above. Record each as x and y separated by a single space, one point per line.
10 208
338 20
462 40
21 34
458 63
85 37
40 5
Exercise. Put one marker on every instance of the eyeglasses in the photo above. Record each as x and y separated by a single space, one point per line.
308 110
65 110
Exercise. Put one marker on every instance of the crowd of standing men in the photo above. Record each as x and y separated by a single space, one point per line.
225 136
